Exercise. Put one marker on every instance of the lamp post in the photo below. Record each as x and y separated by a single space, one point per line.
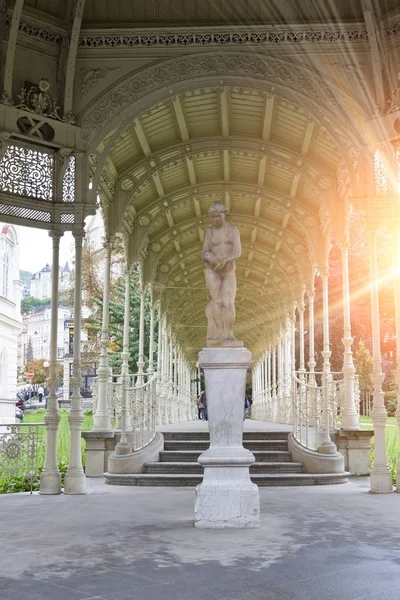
46 365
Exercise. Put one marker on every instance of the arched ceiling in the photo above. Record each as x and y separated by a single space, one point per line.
269 159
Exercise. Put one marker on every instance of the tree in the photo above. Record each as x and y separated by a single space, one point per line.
41 374
116 326
363 363
92 294
29 350
30 304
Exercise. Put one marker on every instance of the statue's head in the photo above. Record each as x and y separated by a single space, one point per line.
218 212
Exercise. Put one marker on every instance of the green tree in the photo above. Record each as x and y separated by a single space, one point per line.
363 363
29 350
30 304
92 294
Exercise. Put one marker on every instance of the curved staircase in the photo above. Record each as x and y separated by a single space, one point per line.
178 464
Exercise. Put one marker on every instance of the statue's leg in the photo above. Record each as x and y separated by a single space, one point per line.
214 281
228 293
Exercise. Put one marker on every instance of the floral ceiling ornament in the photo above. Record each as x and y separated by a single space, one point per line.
90 78
37 99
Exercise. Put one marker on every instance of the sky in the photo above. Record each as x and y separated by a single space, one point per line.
35 247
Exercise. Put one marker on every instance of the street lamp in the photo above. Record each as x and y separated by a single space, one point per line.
46 365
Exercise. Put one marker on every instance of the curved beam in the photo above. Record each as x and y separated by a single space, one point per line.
11 46
196 145
280 206
153 84
68 52
189 227
152 172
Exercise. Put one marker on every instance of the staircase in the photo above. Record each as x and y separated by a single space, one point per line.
178 464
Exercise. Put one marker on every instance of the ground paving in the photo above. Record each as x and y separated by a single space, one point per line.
137 543
118 543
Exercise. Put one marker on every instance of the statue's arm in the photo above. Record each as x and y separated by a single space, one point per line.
237 247
207 255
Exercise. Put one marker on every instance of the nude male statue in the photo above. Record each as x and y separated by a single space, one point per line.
221 249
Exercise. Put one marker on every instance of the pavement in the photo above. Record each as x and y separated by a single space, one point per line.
334 542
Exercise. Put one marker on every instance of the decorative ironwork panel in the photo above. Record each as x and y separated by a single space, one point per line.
67 218
25 213
381 178
27 172
69 181
22 450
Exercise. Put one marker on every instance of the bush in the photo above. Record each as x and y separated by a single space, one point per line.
391 402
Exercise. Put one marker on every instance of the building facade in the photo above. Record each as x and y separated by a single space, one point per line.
10 319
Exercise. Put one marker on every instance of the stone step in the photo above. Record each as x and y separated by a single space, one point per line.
188 480
195 468
193 455
252 445
204 435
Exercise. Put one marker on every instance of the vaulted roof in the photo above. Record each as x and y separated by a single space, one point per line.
271 161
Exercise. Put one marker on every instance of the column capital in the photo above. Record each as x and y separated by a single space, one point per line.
79 235
56 235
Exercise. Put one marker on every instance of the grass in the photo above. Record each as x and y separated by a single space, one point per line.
392 442
20 480
64 436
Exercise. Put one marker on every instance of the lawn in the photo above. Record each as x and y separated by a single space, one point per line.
20 475
64 438
392 441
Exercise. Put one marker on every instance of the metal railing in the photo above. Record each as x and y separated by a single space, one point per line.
140 402
318 403
142 410
22 451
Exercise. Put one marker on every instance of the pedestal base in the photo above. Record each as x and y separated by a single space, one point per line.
226 498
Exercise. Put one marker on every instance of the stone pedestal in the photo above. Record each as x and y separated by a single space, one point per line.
355 446
226 497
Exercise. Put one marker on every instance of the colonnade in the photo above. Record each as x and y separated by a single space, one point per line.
175 380
283 364
174 390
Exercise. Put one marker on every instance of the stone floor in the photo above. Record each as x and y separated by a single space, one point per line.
329 542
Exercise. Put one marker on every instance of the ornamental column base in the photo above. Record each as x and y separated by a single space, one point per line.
226 498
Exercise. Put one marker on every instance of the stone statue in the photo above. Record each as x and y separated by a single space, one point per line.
221 249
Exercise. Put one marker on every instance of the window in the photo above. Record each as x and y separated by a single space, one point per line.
3 372
6 269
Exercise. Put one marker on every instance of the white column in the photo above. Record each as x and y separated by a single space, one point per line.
50 479
175 388
101 419
279 395
164 374
301 332
123 447
273 390
198 380
150 369
311 351
381 479
350 417
75 480
159 416
268 383
287 371
140 362
327 446
397 319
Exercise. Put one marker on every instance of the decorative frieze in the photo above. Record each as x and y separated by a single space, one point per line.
223 38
